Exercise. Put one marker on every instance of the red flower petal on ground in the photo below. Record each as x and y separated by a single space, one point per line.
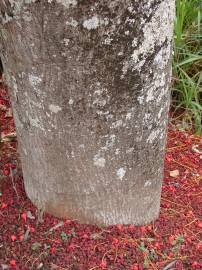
131 227
53 250
172 188
170 254
115 241
24 216
195 264
13 237
168 205
171 239
4 205
198 246
32 229
103 264
2 101
120 227
144 254
149 228
199 224
21 237
169 158
189 239
67 221
10 165
157 245
72 246
134 267
142 228
6 172
190 213
13 262
188 141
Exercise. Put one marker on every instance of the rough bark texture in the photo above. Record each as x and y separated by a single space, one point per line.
89 86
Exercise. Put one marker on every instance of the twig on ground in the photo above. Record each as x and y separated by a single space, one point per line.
61 223
14 187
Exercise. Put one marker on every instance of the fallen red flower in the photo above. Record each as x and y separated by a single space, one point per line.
13 237
24 216
12 262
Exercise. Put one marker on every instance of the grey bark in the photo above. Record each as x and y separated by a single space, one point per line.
89 83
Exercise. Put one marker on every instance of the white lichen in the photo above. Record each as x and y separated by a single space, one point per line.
108 40
81 146
72 23
128 116
147 183
120 53
131 9
125 68
109 142
129 20
100 102
156 31
27 17
150 94
134 42
121 173
54 108
117 151
99 161
105 21
118 123
102 112
34 81
67 3
71 101
35 122
98 92
130 150
140 100
66 41
72 154
91 23
147 118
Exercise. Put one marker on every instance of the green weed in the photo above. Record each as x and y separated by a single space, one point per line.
187 62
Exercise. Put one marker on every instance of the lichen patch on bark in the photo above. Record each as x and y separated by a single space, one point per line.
99 161
121 173
91 23
67 3
35 81
54 108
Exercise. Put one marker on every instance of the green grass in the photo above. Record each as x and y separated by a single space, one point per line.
187 63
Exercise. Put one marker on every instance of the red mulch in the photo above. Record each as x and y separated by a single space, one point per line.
173 239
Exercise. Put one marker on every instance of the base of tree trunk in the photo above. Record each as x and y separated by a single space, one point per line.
117 213
89 83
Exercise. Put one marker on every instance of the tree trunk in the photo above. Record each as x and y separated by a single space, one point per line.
89 87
